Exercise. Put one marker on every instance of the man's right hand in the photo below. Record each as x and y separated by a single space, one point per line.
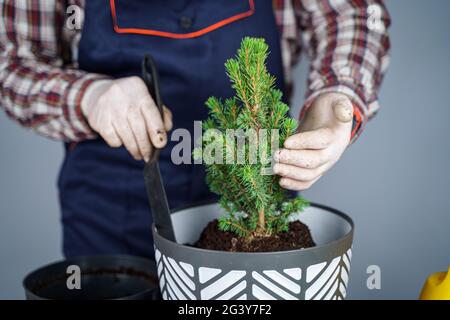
123 113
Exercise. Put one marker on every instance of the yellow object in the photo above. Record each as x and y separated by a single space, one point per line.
437 287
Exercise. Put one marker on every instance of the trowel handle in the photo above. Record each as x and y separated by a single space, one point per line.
151 80
152 175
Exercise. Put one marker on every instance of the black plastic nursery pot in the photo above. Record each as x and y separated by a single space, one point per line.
321 272
119 277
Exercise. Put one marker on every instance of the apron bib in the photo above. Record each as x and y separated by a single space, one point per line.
103 198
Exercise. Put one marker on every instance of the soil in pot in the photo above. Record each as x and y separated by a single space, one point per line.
99 283
297 237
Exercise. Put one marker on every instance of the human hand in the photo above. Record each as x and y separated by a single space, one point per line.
123 113
323 137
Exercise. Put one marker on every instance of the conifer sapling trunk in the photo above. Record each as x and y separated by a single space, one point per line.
255 203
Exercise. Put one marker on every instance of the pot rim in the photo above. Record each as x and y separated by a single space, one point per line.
348 235
30 277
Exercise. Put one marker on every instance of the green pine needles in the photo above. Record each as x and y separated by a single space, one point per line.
255 203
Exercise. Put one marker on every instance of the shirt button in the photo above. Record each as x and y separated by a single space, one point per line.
185 22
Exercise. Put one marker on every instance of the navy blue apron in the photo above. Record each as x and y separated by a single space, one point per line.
104 205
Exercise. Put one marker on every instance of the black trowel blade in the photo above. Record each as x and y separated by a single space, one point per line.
158 200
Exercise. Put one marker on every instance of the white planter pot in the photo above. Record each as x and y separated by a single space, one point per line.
319 272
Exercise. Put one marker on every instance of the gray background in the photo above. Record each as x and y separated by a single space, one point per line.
394 181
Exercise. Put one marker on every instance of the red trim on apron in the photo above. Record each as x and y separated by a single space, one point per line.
358 116
194 34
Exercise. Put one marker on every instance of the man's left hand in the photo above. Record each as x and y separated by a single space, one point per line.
323 137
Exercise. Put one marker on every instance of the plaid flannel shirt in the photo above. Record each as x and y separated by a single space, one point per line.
41 87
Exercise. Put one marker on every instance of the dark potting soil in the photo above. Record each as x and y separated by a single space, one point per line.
297 237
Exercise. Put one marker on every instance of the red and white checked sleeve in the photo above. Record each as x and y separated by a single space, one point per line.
348 46
36 89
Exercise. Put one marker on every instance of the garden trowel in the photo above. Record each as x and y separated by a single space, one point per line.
152 175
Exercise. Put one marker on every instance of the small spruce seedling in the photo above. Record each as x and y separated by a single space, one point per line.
255 203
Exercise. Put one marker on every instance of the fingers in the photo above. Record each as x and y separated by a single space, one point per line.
103 125
168 124
296 185
297 173
296 178
308 159
111 137
147 128
125 133
315 139
143 128
138 127
324 136
124 113
154 123
309 156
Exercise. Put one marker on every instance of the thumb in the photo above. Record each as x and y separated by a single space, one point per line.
343 110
